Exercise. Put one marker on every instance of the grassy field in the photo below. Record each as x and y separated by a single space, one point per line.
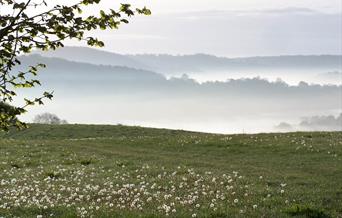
118 171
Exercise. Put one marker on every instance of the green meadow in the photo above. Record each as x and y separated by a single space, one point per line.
120 171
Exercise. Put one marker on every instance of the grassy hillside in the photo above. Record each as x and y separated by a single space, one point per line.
113 171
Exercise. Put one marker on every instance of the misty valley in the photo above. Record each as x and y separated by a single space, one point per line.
243 95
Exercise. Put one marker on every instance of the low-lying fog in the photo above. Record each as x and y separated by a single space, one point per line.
220 116
100 94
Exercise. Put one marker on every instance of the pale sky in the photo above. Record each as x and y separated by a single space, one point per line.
226 27
164 6
220 27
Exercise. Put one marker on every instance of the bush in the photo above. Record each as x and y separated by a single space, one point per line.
47 118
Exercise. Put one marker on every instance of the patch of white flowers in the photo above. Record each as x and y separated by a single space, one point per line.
88 189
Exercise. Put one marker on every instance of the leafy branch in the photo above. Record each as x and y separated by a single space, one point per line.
21 32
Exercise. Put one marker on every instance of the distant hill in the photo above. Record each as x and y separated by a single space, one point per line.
169 64
93 56
90 78
60 71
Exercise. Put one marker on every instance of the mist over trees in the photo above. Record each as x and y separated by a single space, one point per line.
322 122
251 104
314 123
